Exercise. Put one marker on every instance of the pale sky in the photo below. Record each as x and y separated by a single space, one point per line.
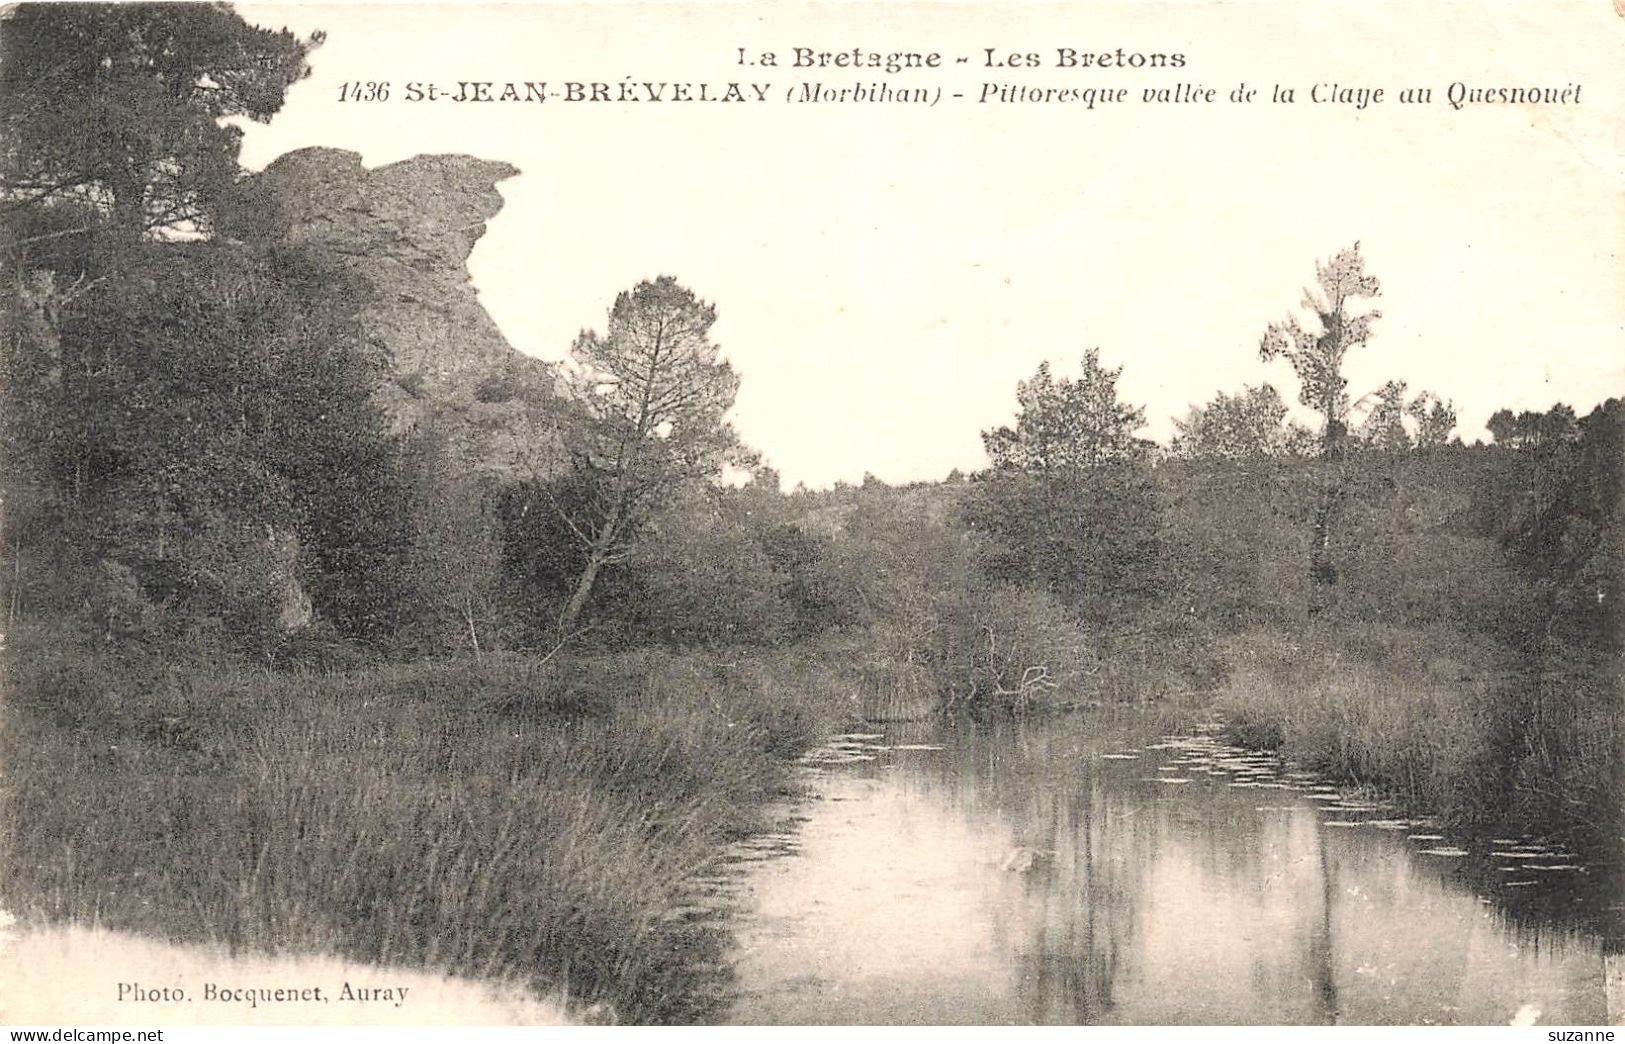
885 275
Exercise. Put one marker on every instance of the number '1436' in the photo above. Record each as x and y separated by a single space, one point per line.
370 91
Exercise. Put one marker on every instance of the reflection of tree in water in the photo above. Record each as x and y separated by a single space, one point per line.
1093 957
1087 912
1070 936
1322 967
1138 903
1613 972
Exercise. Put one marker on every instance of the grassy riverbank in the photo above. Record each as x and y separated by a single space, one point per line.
513 820
536 823
1442 724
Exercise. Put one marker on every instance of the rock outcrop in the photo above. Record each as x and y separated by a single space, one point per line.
406 230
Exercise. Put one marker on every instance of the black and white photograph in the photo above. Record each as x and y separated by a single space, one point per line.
790 514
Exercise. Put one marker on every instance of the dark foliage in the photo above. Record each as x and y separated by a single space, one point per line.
120 106
194 436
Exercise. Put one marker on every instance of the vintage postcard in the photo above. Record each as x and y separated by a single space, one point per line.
812 514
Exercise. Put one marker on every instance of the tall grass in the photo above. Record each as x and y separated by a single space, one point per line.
515 820
1441 724
1564 737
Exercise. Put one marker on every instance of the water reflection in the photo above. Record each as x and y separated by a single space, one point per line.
1017 876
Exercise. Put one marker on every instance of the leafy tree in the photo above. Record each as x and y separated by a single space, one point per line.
1069 424
1501 426
1435 419
1567 518
1384 425
652 393
199 433
699 574
123 105
797 556
1247 425
1089 537
1067 505
1529 430
1317 357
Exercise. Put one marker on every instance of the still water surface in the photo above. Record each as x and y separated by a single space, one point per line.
1085 870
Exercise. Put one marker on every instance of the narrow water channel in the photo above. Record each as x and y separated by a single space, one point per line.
1086 870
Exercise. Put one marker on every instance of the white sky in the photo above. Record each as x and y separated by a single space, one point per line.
885 276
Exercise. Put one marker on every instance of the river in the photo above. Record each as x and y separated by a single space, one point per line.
1085 869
